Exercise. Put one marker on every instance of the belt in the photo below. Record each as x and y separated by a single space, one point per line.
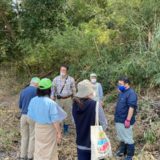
66 97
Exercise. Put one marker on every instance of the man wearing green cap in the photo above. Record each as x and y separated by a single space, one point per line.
26 124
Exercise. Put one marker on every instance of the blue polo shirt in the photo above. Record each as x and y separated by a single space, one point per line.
25 97
126 99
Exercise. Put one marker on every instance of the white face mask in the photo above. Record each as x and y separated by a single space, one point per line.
62 74
93 80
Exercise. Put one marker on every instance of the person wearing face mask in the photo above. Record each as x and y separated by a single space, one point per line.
63 89
97 87
125 113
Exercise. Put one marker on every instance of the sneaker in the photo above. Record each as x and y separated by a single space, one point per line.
128 158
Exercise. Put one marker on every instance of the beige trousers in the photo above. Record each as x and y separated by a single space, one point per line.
27 137
45 142
66 105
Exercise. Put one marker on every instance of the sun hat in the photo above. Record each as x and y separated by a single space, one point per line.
84 89
45 83
35 80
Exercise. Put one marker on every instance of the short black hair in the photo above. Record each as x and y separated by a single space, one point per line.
125 80
42 93
65 66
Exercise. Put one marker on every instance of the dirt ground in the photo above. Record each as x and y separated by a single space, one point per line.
147 130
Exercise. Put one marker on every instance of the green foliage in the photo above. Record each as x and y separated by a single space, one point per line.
37 16
7 30
111 38
111 98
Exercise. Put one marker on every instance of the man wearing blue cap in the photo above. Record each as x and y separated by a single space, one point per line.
26 124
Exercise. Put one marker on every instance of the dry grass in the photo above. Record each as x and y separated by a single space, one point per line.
10 137
148 119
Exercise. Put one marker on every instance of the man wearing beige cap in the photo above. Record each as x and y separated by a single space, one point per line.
97 88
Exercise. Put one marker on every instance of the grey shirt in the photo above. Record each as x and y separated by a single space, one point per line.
68 89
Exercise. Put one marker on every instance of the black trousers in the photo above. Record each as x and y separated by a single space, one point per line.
84 154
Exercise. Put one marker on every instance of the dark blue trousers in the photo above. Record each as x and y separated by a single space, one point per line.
84 154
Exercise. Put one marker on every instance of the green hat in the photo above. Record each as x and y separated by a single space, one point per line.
45 83
35 80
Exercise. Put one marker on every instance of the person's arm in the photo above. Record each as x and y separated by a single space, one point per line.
100 92
58 130
132 102
53 89
129 117
102 118
57 115
20 101
130 113
73 87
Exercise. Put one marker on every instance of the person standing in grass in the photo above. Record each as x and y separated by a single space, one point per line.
97 87
125 112
84 110
26 124
63 90
47 116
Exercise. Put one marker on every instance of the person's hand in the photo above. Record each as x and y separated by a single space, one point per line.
127 123
102 103
59 137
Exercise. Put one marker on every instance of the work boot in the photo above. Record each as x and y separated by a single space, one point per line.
65 128
130 151
122 150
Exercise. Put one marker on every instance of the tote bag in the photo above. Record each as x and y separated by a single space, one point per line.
100 143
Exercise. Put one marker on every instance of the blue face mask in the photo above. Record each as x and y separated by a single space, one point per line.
121 88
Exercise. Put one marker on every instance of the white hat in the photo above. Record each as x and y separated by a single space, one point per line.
93 75
84 89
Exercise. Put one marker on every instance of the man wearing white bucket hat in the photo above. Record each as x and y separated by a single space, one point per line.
84 117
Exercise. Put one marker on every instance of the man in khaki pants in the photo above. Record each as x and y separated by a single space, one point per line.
26 124
63 90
